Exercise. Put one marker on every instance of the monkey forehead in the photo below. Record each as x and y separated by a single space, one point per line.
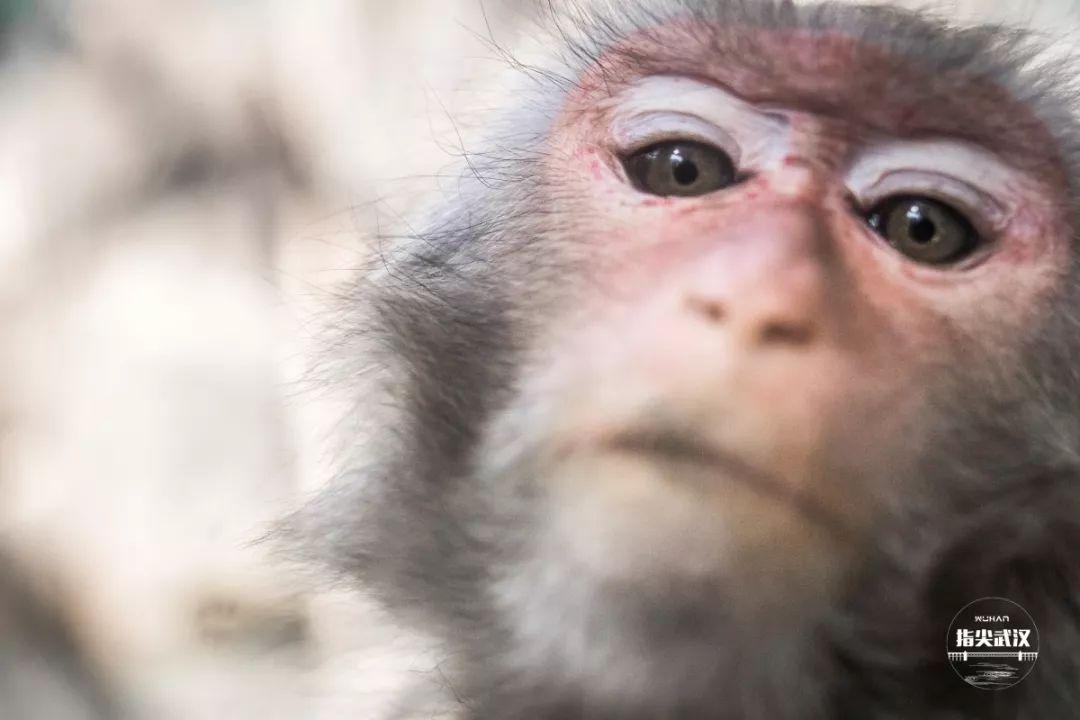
872 81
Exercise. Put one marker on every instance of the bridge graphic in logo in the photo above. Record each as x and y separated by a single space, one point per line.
1020 656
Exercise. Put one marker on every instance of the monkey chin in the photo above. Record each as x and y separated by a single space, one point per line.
641 566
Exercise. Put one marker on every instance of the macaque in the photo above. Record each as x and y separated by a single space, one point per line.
742 358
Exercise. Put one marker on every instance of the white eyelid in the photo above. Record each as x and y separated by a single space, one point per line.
638 131
666 107
973 203
949 170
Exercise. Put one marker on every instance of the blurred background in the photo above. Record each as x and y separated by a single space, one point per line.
182 185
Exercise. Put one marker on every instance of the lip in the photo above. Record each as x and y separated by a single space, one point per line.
666 444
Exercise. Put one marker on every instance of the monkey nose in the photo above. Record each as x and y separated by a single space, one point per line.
754 322
775 307
766 281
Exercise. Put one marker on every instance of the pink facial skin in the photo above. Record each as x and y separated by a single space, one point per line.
773 299
832 125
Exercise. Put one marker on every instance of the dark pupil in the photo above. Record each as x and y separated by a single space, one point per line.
684 171
920 228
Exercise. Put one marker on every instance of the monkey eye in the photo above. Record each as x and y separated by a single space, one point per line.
926 230
680 168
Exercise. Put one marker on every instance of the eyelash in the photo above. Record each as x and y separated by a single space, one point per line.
690 129
977 214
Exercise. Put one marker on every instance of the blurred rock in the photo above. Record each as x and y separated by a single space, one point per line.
181 186
43 673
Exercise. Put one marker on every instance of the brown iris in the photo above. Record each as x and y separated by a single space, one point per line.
680 168
925 230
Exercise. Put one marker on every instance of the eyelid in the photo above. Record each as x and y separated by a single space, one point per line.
636 132
986 213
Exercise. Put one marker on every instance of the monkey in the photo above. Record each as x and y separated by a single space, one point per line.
740 359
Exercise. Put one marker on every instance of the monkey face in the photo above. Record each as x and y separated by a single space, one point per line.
775 303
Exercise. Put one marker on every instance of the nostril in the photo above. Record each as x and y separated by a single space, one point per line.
756 325
711 310
786 333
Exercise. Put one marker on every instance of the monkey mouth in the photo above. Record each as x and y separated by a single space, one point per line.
666 444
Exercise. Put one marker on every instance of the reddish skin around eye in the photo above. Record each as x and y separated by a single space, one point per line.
836 84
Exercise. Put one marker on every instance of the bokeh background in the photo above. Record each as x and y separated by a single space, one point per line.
183 183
